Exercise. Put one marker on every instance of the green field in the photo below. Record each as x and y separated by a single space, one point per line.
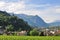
29 37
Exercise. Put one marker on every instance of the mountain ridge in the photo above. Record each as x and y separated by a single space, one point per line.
33 20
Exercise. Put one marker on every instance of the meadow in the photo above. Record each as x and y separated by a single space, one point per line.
29 37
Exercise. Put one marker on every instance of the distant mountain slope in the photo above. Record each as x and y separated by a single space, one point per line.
55 23
34 21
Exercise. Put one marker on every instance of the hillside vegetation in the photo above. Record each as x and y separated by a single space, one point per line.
12 23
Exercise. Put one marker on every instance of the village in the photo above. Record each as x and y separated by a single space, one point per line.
41 32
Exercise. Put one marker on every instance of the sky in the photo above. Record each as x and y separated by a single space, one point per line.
48 10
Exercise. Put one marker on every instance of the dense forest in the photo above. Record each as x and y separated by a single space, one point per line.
12 23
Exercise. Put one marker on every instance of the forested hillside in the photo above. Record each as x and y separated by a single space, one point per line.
12 23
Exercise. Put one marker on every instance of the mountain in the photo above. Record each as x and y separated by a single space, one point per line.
34 21
55 23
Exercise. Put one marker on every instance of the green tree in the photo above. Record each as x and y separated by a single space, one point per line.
34 32
9 28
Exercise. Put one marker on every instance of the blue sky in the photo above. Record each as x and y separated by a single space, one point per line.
55 2
48 10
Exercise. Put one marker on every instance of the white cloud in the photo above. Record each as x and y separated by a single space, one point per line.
16 7
12 7
58 10
2 5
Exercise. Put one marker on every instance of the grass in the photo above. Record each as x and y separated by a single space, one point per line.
29 37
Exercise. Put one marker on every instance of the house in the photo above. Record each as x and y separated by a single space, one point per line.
57 33
22 33
49 32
